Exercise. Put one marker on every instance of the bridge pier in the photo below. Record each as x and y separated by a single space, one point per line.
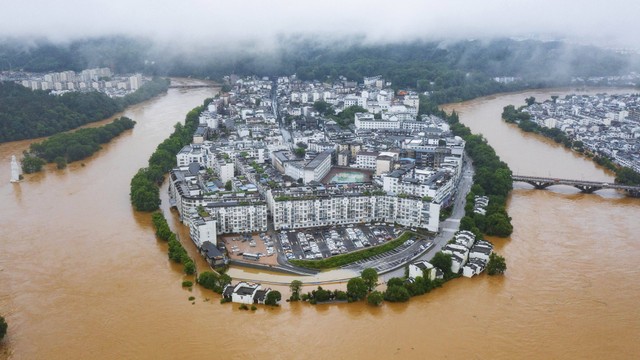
540 185
587 189
633 193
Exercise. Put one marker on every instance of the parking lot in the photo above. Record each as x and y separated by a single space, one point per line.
326 242
257 248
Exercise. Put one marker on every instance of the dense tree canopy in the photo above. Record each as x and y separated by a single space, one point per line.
442 261
452 69
370 277
26 114
77 145
273 297
375 298
356 289
396 293
627 176
214 281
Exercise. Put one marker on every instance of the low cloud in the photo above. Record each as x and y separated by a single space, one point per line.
260 23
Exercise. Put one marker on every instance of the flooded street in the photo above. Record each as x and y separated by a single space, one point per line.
83 277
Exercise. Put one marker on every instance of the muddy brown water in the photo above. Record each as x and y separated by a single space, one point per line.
83 277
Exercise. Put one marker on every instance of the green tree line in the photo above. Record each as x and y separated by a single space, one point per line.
492 178
72 146
343 259
26 114
177 252
145 184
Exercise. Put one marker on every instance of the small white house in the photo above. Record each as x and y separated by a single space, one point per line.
246 293
460 250
242 293
457 262
465 239
422 268
474 267
481 250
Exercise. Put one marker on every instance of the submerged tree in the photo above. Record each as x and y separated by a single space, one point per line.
370 277
295 286
375 298
273 297
497 265
356 289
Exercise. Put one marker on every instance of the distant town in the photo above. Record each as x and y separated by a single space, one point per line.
98 79
603 124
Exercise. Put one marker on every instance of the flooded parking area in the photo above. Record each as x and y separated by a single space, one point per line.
258 248
320 243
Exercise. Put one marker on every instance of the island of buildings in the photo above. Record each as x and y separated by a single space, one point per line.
265 158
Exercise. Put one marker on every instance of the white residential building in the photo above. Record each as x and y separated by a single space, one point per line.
135 82
367 160
437 185
367 121
318 168
202 229
236 215
224 167
481 250
331 205
194 154
459 256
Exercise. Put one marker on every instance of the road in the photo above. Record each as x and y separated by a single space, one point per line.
393 264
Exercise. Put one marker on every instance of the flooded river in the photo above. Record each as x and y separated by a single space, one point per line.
83 277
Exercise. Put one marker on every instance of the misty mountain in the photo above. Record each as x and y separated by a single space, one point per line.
428 66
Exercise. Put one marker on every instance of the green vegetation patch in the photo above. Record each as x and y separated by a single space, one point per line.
145 190
177 252
73 146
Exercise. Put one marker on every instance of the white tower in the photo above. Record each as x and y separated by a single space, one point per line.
15 169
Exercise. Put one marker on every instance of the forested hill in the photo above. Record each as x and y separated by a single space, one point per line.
422 64
449 71
26 114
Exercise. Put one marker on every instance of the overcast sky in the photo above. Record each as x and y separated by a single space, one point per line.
614 23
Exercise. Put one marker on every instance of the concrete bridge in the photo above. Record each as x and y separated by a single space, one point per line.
193 86
583 185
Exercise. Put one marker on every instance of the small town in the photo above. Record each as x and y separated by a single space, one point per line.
96 79
294 170
604 124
